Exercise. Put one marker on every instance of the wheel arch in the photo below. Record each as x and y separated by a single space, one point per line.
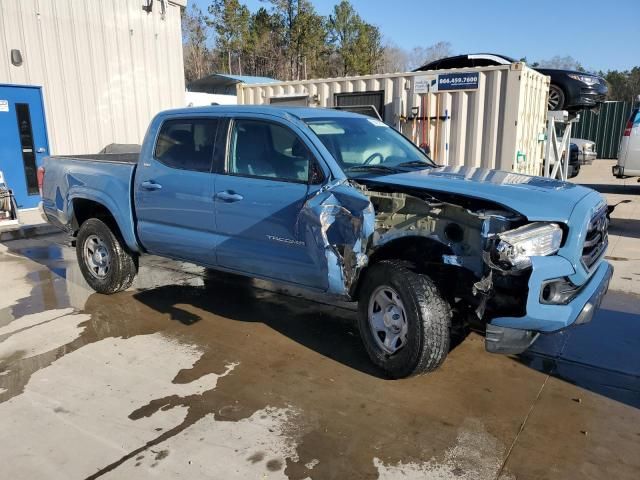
82 209
414 249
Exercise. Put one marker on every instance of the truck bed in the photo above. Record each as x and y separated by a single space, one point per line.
103 178
105 157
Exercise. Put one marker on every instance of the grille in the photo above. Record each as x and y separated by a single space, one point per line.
596 239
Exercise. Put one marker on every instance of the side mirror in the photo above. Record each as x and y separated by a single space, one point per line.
316 176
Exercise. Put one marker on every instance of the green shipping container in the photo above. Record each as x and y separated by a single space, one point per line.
604 128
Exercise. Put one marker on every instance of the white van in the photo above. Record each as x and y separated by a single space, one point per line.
629 153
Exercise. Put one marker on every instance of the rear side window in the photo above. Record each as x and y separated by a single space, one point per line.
187 144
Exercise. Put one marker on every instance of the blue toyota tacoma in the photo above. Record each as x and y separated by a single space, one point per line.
342 204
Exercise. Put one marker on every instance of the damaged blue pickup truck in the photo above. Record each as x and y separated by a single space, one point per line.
342 204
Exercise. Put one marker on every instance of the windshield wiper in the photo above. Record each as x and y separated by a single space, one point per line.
369 168
415 163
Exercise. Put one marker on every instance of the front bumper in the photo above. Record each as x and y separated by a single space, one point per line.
582 95
515 334
587 157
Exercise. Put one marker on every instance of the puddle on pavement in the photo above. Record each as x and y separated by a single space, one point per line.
285 368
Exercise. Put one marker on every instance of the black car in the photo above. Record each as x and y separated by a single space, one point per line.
569 90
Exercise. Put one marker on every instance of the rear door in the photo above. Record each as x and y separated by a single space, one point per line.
258 198
174 188
23 141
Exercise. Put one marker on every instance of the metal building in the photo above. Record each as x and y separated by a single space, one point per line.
102 68
492 117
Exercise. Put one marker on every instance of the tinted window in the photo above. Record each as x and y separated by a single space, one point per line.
187 143
268 150
26 141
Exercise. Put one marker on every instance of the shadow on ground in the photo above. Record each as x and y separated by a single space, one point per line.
629 189
625 227
602 356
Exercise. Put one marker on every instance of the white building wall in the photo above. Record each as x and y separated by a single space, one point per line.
106 67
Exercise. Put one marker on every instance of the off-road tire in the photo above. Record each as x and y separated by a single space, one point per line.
428 318
123 267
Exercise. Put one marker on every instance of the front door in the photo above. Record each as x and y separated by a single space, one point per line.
258 200
23 141
174 190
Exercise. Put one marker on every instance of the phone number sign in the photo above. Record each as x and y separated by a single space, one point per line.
458 81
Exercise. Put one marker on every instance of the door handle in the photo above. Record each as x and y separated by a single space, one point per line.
41 150
150 185
229 196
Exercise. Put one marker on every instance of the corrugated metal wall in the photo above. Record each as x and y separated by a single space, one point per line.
106 67
498 125
604 128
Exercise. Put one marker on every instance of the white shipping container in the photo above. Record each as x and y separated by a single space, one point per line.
498 123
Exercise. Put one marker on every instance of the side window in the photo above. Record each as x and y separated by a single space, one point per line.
187 144
264 149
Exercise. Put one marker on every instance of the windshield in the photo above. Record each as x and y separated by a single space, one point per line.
367 145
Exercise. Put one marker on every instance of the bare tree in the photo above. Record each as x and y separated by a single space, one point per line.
422 55
567 62
195 35
394 59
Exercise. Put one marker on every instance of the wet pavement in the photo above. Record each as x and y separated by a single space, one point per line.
189 376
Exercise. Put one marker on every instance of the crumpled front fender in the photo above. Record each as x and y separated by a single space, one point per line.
338 224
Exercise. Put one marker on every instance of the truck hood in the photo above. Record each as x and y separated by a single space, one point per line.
537 198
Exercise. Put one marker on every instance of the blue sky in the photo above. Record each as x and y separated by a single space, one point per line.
599 34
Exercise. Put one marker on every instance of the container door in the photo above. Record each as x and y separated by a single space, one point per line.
23 141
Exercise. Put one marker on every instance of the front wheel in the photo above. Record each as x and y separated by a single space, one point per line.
404 321
104 261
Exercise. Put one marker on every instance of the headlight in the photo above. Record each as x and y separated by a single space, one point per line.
536 239
588 79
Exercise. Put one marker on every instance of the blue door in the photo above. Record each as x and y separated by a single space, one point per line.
23 141
174 191
258 200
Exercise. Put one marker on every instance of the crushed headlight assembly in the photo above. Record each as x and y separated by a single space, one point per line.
586 79
516 247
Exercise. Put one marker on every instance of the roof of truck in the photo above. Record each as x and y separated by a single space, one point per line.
300 112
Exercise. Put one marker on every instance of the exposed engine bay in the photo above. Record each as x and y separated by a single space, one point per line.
454 242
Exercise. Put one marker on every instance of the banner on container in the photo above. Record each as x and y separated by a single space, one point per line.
445 82
458 81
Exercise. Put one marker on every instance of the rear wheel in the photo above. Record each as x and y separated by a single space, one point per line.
104 261
404 321
556 98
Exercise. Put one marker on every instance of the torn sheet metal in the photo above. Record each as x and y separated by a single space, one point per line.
338 223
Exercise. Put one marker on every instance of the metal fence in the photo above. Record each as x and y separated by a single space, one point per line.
604 128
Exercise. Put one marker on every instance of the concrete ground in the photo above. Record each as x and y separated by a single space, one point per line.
624 229
184 376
